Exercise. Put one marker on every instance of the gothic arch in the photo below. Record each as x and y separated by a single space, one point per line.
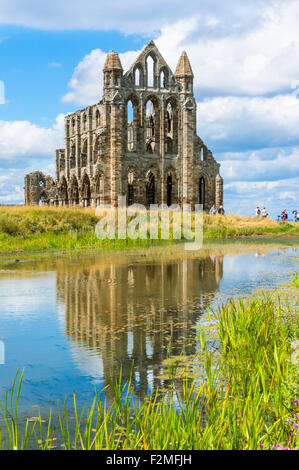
86 191
84 149
74 191
152 123
171 126
138 73
171 186
152 186
43 198
132 180
150 69
63 191
163 77
99 189
131 120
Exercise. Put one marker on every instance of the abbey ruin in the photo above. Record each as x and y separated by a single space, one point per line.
139 141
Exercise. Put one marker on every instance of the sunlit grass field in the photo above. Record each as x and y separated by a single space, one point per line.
36 228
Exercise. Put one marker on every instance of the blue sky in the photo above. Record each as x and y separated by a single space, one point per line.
245 58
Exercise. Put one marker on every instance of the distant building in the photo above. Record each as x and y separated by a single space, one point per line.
140 141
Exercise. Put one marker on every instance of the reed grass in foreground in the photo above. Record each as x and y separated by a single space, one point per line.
35 228
248 400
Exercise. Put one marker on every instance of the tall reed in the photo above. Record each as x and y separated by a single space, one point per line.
248 399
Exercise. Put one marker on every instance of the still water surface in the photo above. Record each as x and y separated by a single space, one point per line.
73 320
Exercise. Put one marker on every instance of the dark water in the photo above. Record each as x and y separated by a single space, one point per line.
73 321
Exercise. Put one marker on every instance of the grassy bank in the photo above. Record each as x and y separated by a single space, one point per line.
247 400
30 229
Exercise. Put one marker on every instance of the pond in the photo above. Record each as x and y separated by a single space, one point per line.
74 320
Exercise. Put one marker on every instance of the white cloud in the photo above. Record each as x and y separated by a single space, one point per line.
86 83
22 139
241 197
259 60
256 60
132 16
262 165
230 123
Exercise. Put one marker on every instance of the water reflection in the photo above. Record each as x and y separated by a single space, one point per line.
128 314
72 320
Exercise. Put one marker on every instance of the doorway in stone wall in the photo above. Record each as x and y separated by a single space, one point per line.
202 192
150 189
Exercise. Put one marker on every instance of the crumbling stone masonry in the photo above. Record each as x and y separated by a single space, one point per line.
140 141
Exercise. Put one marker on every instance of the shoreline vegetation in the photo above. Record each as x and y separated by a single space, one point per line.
25 229
245 399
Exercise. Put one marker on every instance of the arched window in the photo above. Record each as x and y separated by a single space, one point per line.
86 191
73 156
130 126
162 79
43 200
150 127
150 117
74 196
202 192
63 191
169 189
84 154
201 153
150 70
98 118
137 77
99 188
169 116
150 189
130 188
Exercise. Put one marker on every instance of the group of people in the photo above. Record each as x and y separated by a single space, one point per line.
259 212
282 216
214 210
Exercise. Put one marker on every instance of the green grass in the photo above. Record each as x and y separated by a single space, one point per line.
34 229
248 399
295 280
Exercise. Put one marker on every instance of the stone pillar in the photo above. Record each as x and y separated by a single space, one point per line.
188 132
67 149
219 191
78 147
89 143
116 134
162 151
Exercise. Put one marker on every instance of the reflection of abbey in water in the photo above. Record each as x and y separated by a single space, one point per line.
126 313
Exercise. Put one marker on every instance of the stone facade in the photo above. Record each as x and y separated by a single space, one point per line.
140 141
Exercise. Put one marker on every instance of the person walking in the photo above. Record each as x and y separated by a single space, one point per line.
264 213
221 210
213 209
257 211
284 215
295 214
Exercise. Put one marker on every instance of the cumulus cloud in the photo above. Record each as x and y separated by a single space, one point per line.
260 59
131 16
254 166
239 123
22 141
242 197
245 58
86 83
